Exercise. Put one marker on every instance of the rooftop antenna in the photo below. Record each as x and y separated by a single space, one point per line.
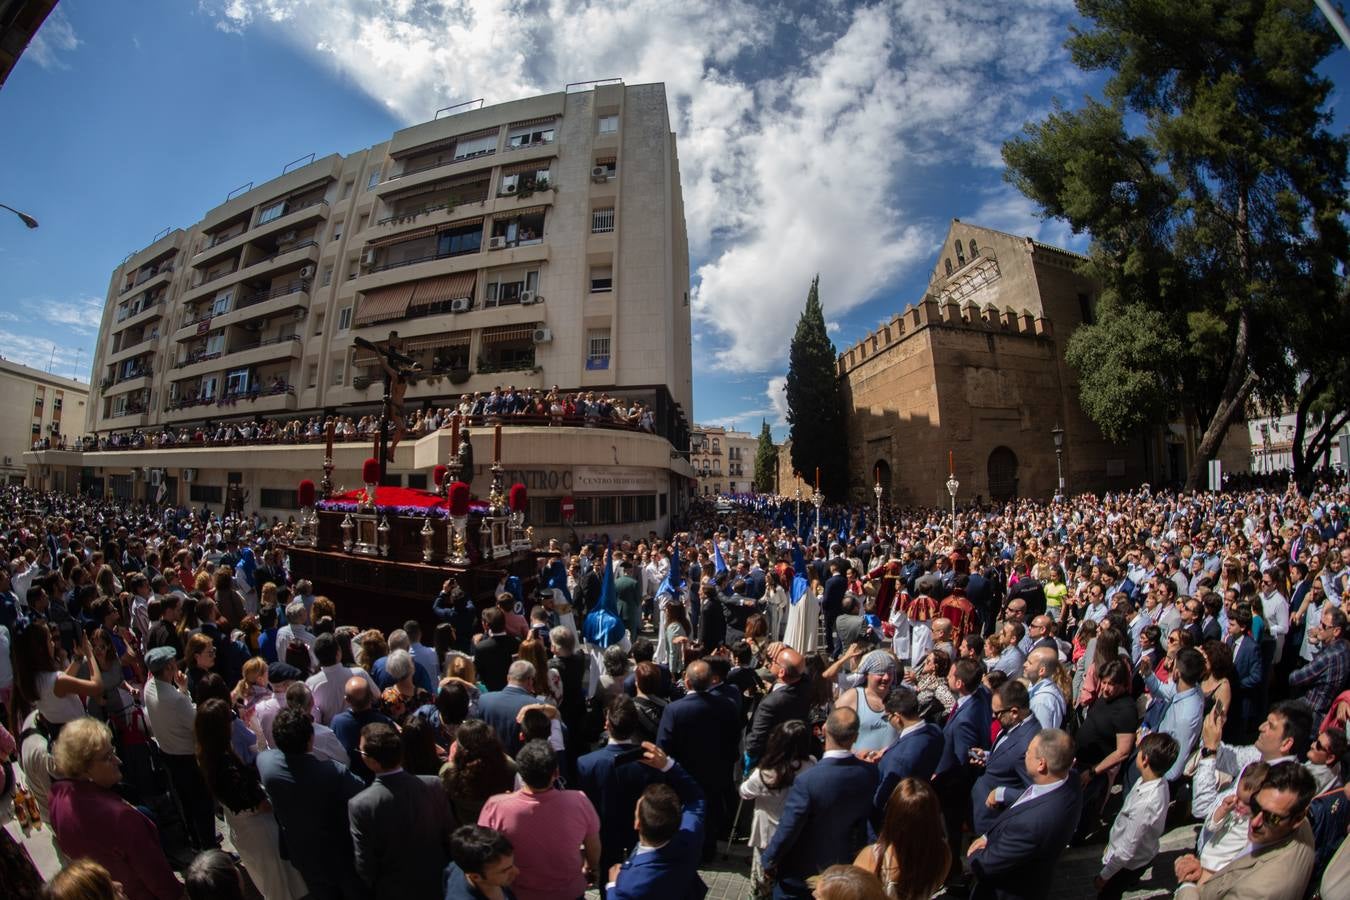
51 362
75 370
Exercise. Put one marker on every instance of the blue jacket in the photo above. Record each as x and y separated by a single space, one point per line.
669 872
915 755
1018 861
827 808
309 799
703 732
1005 767
969 727
499 709
614 791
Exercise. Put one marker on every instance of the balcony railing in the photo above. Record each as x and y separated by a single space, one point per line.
145 372
427 167
127 313
202 356
451 204
146 276
384 267
216 240
257 262
290 287
231 398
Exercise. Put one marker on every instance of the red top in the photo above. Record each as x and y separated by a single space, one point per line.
95 822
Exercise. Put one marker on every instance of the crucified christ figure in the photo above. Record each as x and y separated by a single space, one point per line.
399 369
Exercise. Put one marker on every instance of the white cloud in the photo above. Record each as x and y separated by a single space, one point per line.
42 352
1008 209
83 314
54 37
790 150
776 391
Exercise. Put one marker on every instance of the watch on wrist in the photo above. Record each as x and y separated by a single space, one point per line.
1207 752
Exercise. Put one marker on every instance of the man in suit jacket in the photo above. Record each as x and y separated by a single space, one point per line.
614 788
1248 674
400 824
832 602
787 700
914 753
500 708
309 799
825 813
629 597
669 823
1016 858
1005 768
703 731
492 654
1281 861
967 728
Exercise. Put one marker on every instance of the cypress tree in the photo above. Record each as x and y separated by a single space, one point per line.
766 461
815 410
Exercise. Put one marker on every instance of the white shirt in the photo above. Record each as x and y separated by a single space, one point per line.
1222 842
1138 828
170 713
328 686
1276 613
1038 790
327 745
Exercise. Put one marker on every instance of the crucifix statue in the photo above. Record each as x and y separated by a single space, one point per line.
399 370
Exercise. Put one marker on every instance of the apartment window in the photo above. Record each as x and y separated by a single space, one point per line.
327 275
602 279
339 371
465 239
347 188
523 182
312 375
205 493
56 404
208 389
215 343
517 231
280 498
597 349
344 318
505 289
318 324
608 124
221 304
236 382
602 220
527 135
478 146
374 178
275 211
605 168
337 231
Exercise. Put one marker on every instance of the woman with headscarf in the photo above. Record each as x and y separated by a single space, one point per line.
875 675
244 580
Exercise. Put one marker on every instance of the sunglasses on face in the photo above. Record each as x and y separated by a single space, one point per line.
1274 820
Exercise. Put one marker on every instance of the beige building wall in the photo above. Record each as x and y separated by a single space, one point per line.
723 460
35 406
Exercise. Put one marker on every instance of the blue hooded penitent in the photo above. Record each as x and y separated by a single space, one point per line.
555 577
799 583
719 564
604 628
672 583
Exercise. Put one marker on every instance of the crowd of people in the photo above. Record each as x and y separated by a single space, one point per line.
932 703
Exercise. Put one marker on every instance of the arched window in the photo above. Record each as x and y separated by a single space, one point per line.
960 254
717 446
948 263
974 249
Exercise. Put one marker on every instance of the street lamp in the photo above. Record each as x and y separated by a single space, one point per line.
27 219
817 498
798 494
952 485
1058 434
877 490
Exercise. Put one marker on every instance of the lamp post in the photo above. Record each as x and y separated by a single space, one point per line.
27 219
1058 434
798 495
952 485
817 498
876 489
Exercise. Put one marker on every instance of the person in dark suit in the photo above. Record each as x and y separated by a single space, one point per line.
492 655
669 822
737 608
1005 770
702 731
309 799
400 824
500 709
1016 857
967 728
1248 674
914 754
832 602
1210 629
614 788
826 811
789 699
712 618
484 865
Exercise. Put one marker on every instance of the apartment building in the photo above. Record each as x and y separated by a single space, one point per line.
533 243
723 460
36 408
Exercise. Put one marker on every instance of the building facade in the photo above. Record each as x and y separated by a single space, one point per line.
534 243
972 381
723 460
36 408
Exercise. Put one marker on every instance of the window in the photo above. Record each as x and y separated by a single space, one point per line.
221 304
478 146
318 324
339 371
1085 310
608 124
960 254
948 264
344 318
597 349
236 382
518 230
417 480
280 498
602 279
374 178
974 249
275 211
208 389
602 220
337 231
347 188
312 375
717 446
465 239
327 275
215 343
606 168
505 289
523 182
527 135
205 493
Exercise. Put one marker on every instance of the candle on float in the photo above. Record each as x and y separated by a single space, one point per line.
817 477
951 464
328 454
497 443
877 472
454 434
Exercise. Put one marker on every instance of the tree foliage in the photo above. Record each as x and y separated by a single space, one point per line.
815 410
1213 193
766 461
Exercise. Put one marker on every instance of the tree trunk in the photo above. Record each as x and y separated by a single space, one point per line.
1311 388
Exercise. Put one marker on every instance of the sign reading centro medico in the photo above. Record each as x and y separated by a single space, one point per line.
588 480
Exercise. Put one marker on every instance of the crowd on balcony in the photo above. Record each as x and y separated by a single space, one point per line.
276 385
557 407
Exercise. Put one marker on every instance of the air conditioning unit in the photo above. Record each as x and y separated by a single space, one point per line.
459 305
287 237
156 476
496 242
526 298
509 189
189 475
307 272
542 335
368 258
599 174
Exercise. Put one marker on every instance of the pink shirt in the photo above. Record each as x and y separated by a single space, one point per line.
95 822
547 831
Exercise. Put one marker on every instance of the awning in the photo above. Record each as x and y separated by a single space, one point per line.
444 287
539 121
516 213
481 133
383 304
507 333
400 237
606 160
437 341
522 168
460 223
424 148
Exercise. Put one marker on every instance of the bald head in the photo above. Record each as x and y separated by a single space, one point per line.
1041 663
789 665
357 692
1049 755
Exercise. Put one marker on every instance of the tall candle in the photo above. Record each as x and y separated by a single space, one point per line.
454 434
328 454
497 443
951 464
877 473
817 477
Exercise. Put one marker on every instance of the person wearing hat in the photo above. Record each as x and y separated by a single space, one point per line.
876 674
280 675
171 715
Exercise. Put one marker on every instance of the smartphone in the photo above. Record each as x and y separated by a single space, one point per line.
629 756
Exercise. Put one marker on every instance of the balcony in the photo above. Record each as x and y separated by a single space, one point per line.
145 314
305 251
431 172
263 401
430 216
314 209
271 350
121 384
145 277
145 345
125 419
262 304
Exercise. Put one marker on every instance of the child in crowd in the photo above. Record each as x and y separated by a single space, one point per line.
1139 827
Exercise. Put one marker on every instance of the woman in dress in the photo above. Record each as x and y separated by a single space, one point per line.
803 621
910 856
39 684
776 604
676 637
786 755
1218 669
248 814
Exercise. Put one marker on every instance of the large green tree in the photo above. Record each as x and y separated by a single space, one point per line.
766 461
815 412
1213 192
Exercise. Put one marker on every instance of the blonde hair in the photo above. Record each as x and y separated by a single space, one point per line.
268 597
322 607
79 745
460 665
202 582
83 879
253 667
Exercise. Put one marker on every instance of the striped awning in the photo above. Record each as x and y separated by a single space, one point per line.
443 287
539 121
461 223
506 333
606 160
515 213
481 133
383 304
400 237
437 341
424 148
522 168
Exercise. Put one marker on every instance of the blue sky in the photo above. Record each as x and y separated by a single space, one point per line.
829 137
